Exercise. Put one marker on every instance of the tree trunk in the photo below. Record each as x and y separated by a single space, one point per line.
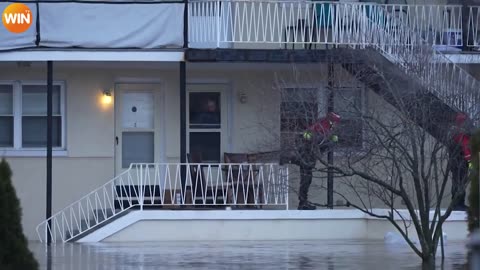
428 261
473 213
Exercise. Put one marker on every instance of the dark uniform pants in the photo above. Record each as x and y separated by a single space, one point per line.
459 178
305 157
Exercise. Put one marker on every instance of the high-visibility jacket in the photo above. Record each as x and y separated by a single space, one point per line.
320 129
323 126
463 140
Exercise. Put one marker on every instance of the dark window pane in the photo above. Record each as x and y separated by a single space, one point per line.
34 99
206 144
137 147
204 110
299 109
306 110
6 131
348 103
350 133
295 125
6 99
34 131
298 116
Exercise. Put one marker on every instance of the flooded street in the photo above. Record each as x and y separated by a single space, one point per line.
275 255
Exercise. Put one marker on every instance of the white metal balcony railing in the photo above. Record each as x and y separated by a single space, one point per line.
404 34
150 185
223 22
473 27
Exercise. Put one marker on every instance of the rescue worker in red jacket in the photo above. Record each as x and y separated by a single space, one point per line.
316 139
460 160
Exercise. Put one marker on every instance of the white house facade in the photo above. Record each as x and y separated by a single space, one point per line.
139 88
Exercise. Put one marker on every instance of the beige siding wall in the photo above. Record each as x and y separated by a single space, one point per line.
89 137
89 132
90 128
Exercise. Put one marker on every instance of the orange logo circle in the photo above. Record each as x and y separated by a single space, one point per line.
17 18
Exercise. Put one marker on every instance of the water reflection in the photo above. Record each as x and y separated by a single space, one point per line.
49 257
305 262
275 255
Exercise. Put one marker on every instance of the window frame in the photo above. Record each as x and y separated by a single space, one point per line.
223 130
288 137
18 149
363 104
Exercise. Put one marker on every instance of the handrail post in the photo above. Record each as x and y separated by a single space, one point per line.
185 24
287 190
218 22
141 189
49 144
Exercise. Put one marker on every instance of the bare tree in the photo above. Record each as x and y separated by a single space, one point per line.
393 153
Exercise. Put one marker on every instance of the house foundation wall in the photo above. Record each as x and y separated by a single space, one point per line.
258 225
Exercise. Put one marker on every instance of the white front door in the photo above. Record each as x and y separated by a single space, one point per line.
139 125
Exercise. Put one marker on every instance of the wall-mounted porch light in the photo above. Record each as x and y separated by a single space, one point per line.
107 97
242 97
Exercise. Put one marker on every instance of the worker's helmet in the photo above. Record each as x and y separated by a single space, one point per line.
335 118
460 118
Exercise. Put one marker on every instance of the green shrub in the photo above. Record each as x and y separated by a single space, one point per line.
473 198
14 252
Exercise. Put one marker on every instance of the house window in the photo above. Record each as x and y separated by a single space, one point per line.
301 107
23 115
205 125
205 110
348 102
6 115
298 110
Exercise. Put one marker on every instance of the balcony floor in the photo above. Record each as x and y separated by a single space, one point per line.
268 56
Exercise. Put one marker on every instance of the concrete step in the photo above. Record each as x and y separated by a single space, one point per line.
85 230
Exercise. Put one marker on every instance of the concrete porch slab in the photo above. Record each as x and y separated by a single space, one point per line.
222 225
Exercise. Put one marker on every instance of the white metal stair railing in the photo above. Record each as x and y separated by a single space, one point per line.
439 25
404 34
419 59
162 184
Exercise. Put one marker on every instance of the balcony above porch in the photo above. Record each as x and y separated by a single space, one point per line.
303 24
128 28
